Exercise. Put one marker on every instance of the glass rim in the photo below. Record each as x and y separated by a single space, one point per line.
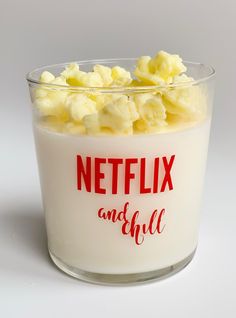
118 89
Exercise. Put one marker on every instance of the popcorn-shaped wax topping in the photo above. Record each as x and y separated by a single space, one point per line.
92 124
46 77
144 74
103 99
95 113
117 117
152 112
70 74
102 76
59 81
160 69
105 73
185 102
75 77
79 105
120 76
51 102
167 66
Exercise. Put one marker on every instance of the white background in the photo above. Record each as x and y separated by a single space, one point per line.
35 33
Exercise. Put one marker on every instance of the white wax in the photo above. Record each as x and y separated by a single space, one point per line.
76 234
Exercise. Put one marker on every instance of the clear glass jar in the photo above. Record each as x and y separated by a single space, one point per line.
122 209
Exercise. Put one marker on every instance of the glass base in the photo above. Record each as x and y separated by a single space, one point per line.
121 279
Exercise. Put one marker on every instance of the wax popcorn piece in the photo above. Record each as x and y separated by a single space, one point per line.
70 74
44 90
120 76
79 105
45 105
103 99
188 102
102 76
46 77
75 77
143 73
52 104
143 64
92 124
105 73
60 80
40 93
90 79
117 116
159 70
51 101
167 66
152 112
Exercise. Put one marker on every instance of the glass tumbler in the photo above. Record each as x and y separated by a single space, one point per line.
122 209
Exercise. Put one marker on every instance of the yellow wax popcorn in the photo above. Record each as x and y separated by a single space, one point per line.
105 110
103 99
186 101
102 76
117 116
92 124
46 77
144 74
167 66
79 105
75 77
59 81
70 74
105 73
51 102
161 69
152 112
120 76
